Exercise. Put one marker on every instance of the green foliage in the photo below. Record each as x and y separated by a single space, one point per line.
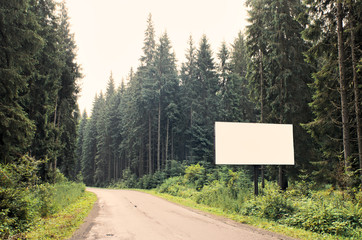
196 175
176 187
272 204
321 211
150 181
16 213
64 223
52 198
19 43
23 200
175 168
330 212
129 180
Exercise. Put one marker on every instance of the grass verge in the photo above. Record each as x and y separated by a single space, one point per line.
250 220
64 223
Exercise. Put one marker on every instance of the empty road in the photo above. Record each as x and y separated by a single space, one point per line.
125 214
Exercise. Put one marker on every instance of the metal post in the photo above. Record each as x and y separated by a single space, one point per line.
256 190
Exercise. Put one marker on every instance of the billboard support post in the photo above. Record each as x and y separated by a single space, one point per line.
256 187
255 144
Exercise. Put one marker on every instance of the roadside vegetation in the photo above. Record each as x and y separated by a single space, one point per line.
64 223
30 205
305 210
298 62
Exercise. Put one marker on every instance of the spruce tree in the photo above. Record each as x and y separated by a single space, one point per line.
146 76
333 93
188 98
235 103
278 68
19 43
80 142
66 118
89 149
167 81
206 107
44 86
101 159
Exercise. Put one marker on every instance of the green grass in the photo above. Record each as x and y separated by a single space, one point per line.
250 220
63 224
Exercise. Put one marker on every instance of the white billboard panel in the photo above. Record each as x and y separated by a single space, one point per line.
254 144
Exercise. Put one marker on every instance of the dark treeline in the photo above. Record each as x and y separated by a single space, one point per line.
298 63
38 89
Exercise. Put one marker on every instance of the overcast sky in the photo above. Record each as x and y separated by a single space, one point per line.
110 33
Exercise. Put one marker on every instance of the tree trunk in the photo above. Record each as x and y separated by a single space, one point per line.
261 88
343 90
190 140
140 165
149 145
172 146
166 145
159 136
356 90
261 106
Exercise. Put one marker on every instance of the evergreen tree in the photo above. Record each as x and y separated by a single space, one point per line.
238 56
205 112
146 76
113 98
43 89
80 142
66 102
167 81
89 149
101 159
333 93
280 70
235 103
19 43
134 126
188 100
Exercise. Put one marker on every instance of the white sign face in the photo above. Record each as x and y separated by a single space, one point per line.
254 144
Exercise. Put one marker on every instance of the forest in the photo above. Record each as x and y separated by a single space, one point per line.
38 114
298 62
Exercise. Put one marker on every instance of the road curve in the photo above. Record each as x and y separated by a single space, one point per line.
126 214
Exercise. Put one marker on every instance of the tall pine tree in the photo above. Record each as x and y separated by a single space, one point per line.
19 43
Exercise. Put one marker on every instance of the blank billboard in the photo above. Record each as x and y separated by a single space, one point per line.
253 144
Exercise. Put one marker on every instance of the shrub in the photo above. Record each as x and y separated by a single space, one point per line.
129 180
175 186
238 183
176 168
273 204
22 201
16 211
328 212
196 175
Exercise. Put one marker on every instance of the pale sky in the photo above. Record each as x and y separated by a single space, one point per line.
110 33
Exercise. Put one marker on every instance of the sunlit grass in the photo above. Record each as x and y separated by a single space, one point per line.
63 224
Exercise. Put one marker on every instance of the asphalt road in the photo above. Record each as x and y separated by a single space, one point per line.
125 214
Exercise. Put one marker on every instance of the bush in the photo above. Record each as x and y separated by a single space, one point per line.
176 168
16 207
129 180
218 195
328 212
16 212
196 175
273 204
175 186
22 201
